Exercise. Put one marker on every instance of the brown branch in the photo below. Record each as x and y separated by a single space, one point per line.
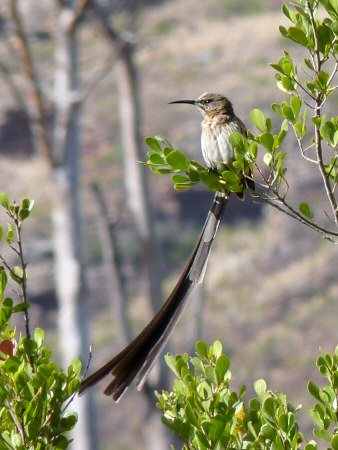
278 200
79 11
320 100
37 114
122 44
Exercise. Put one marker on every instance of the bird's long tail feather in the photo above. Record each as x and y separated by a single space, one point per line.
137 359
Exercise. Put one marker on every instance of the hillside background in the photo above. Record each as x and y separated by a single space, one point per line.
271 288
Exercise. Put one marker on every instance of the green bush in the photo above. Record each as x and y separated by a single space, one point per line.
206 413
34 392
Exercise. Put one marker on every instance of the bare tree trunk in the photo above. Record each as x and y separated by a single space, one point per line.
136 187
66 218
140 206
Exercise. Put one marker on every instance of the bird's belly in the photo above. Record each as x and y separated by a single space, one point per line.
216 150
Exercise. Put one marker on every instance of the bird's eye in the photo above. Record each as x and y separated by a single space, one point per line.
206 101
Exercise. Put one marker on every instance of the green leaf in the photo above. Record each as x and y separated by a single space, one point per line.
198 364
33 428
236 139
12 364
203 442
10 233
321 81
179 178
230 177
27 204
155 158
329 132
260 387
178 160
194 176
191 415
309 64
4 200
216 428
170 361
69 421
216 349
322 434
289 13
254 403
258 119
39 336
325 38
201 349
286 84
334 442
165 141
20 307
288 113
266 139
313 390
185 185
267 158
268 124
311 446
277 67
211 375
23 214
153 143
276 108
296 105
26 208
222 367
270 432
60 443
3 281
283 422
297 35
269 409
304 208
283 31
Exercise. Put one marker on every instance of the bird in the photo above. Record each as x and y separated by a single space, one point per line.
137 359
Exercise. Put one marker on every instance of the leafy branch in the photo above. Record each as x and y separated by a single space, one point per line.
206 413
307 97
34 392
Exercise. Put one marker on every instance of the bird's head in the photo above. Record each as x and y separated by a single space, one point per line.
211 104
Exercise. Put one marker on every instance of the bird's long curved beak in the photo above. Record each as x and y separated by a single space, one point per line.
190 102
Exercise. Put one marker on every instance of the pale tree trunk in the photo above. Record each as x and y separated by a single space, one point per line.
137 197
66 220
139 205
136 186
137 194
64 159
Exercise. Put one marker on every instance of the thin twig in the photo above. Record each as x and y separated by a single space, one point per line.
7 443
19 426
318 139
289 210
302 150
24 277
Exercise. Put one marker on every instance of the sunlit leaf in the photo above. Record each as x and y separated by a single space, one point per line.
305 209
258 119
178 160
